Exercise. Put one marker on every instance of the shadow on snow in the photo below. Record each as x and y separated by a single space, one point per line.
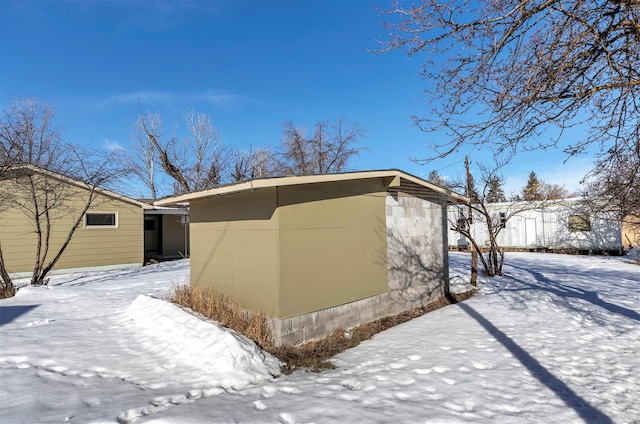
584 409
10 313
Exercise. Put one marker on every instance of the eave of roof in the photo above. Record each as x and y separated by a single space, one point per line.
160 210
309 179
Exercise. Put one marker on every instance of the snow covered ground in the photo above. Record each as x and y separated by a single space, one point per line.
557 340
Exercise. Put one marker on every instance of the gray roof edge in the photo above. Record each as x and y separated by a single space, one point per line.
306 179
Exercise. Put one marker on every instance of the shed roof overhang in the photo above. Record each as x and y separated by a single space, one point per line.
159 210
392 178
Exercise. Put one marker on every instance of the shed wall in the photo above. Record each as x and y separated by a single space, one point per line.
418 249
332 244
417 271
234 247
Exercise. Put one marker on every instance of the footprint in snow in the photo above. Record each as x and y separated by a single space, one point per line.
269 391
212 391
414 357
40 322
259 405
396 365
287 418
481 366
288 389
351 384
453 406
92 401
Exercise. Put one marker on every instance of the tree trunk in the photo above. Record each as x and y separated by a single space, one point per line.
7 289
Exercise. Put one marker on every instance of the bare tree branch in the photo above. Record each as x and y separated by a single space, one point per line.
45 179
503 74
328 150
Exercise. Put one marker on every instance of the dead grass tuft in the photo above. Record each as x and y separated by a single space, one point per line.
228 312
6 293
313 356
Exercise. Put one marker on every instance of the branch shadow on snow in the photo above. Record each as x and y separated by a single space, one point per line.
10 313
584 409
566 291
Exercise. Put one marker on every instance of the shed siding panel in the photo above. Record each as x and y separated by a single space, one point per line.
332 245
234 247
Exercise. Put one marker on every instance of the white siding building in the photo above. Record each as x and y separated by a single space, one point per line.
559 226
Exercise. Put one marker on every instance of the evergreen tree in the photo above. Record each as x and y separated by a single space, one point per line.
495 192
435 178
532 191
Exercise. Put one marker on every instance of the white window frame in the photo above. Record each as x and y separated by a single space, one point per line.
97 227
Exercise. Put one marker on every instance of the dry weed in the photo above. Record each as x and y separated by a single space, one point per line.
228 312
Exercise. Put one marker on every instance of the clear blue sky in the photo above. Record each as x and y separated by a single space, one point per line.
250 65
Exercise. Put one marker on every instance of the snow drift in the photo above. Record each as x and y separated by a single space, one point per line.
231 360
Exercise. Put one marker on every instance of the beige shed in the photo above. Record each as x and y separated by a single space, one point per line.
323 252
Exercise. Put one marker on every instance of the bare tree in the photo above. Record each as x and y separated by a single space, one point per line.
209 160
151 126
49 181
328 150
141 161
552 191
197 162
248 165
483 212
525 67
610 181
437 179
540 190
